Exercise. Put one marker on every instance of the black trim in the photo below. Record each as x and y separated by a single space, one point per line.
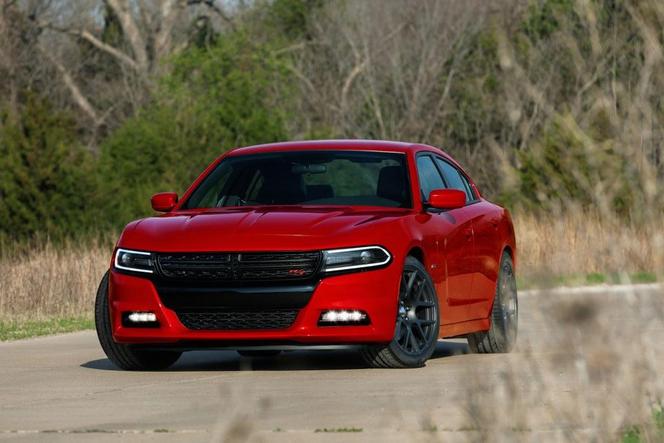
195 345
238 319
180 297
238 268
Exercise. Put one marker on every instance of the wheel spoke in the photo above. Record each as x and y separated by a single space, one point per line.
420 291
398 331
413 341
403 290
421 331
409 334
411 280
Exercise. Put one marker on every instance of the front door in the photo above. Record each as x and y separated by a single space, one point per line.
474 300
453 233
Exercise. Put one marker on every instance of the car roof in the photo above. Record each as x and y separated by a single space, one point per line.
355 145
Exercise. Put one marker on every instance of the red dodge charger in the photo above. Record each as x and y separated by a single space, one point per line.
380 245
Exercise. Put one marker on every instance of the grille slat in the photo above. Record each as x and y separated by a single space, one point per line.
239 267
238 320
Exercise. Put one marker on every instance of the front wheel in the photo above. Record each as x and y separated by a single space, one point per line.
417 322
124 356
501 337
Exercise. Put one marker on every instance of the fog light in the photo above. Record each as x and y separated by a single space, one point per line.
343 317
140 320
142 317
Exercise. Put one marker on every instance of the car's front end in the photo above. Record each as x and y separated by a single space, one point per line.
254 298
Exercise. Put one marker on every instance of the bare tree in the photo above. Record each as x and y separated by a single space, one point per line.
149 32
384 68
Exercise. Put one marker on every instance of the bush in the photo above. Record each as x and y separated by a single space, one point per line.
46 180
216 98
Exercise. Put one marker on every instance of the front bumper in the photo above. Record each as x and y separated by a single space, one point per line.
374 292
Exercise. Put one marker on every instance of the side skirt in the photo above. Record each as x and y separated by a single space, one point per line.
464 327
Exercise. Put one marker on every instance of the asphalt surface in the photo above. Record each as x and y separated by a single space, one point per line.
62 388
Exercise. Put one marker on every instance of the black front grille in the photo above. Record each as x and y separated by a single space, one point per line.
235 320
251 266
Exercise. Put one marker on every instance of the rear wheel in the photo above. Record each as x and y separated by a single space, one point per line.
124 356
501 337
417 323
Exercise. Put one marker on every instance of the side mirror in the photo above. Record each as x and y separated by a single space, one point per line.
164 201
447 199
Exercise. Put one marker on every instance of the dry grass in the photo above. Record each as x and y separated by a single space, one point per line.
584 243
51 281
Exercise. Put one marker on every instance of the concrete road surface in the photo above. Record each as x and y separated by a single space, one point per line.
62 388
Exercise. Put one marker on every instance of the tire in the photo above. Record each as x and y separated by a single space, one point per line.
124 356
259 353
501 337
417 323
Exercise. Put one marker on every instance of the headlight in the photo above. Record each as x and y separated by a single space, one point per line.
135 261
354 258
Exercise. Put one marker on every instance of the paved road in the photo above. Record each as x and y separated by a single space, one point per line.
62 388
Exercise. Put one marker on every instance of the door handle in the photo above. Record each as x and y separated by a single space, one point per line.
468 232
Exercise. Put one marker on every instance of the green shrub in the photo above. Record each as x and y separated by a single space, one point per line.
46 177
216 98
565 165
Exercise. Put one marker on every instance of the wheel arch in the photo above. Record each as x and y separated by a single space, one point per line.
509 249
418 253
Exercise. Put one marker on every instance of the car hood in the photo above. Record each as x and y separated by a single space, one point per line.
261 229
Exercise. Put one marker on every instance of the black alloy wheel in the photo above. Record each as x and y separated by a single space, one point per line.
501 337
417 323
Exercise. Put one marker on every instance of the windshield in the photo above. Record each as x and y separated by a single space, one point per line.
348 178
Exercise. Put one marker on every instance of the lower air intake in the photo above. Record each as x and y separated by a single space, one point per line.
238 320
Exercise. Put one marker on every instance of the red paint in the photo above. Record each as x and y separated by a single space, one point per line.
447 199
164 201
460 246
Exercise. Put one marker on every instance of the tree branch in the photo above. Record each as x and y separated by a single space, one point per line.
86 35
131 32
216 8
169 13
76 93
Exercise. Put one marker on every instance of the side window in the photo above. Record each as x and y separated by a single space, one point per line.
429 176
469 189
455 179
